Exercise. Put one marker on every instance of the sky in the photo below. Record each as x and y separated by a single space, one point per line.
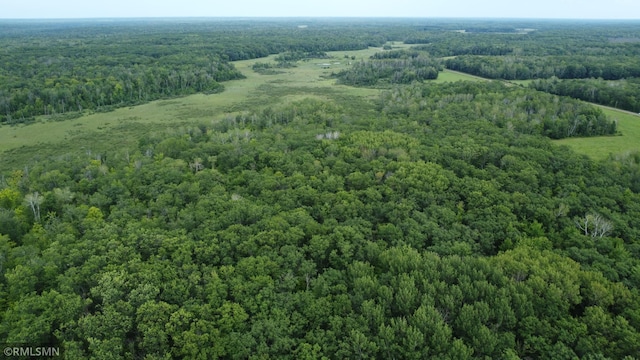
552 9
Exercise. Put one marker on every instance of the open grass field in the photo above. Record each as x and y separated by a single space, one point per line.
597 148
121 128
451 75
601 147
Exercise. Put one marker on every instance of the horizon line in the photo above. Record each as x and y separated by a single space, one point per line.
314 17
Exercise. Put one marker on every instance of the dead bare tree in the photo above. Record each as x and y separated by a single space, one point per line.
196 165
594 225
34 200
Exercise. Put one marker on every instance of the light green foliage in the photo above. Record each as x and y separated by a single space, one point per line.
601 148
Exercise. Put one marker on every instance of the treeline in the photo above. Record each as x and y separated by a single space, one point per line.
452 44
308 231
267 68
618 39
54 68
622 94
535 67
394 67
57 67
286 60
526 110
74 88
57 79
293 56
396 54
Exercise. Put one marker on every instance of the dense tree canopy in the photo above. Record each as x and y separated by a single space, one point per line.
448 236
51 68
433 221
504 105
534 67
621 94
394 67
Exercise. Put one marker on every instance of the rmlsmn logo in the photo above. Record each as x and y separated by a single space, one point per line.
31 352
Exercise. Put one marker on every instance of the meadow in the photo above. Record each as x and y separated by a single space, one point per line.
628 139
122 127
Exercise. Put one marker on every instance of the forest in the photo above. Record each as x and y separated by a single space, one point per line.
395 67
430 220
96 68
622 94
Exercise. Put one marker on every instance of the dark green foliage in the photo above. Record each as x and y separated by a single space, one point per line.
87 74
437 221
621 94
55 68
506 106
598 40
534 67
395 67
450 238
293 56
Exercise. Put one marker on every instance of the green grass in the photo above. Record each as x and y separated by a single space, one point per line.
598 148
450 76
121 128
601 147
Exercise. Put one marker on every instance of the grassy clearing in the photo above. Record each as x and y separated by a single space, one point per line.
597 148
601 147
450 76
121 128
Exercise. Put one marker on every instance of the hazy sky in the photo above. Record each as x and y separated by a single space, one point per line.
590 9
